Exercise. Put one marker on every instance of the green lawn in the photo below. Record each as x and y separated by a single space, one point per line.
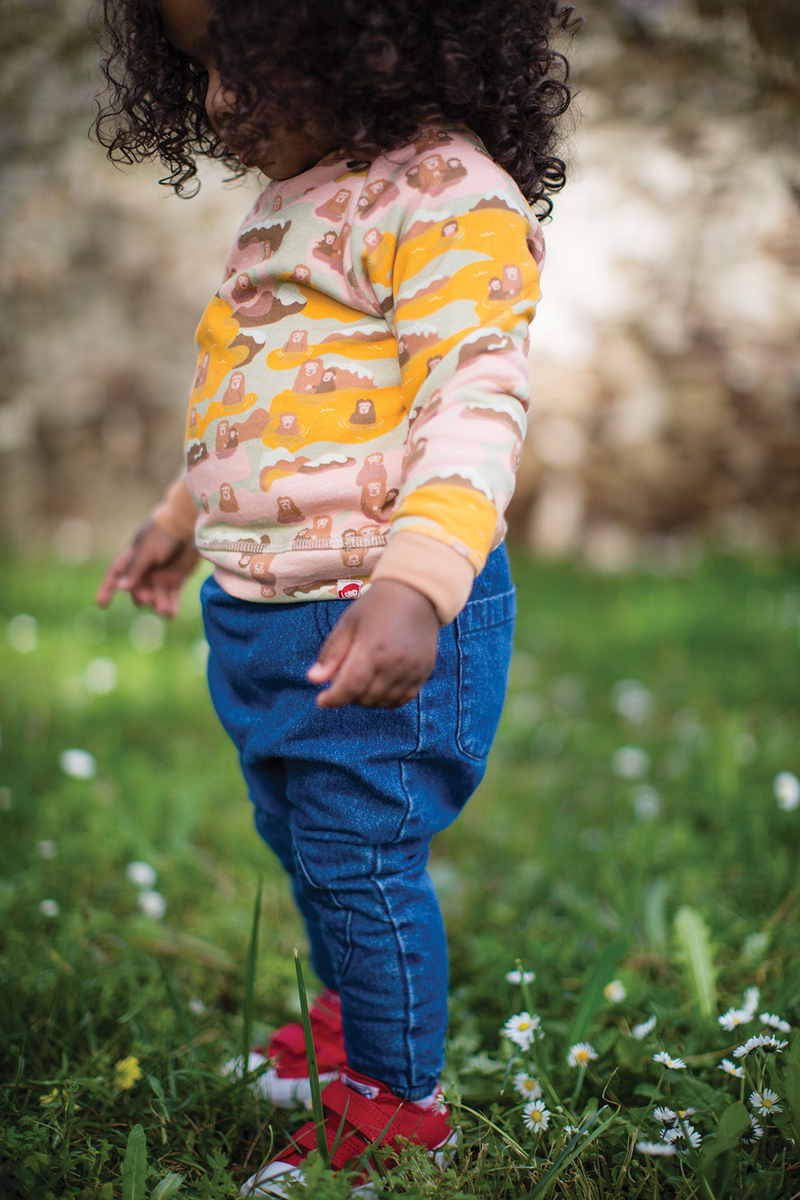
627 829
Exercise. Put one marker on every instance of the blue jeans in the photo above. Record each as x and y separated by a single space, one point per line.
349 799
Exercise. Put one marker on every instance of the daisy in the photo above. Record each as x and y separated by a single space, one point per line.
665 1115
523 1029
570 1130
520 976
49 908
766 1101
126 1072
640 1032
675 1064
630 762
731 1069
141 874
581 1054
735 1017
754 1133
775 1022
526 1085
78 764
46 849
536 1116
763 1041
152 904
750 999
687 1132
655 1149
615 992
786 789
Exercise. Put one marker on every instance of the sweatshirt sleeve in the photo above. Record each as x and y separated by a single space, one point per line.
455 268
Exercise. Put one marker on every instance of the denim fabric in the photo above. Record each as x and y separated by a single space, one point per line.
349 799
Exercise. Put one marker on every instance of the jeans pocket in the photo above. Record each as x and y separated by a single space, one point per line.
484 634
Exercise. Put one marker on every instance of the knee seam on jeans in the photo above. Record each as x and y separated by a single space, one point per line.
406 977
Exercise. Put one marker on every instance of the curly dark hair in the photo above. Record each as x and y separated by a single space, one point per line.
373 70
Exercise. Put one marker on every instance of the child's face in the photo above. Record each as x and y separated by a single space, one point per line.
287 151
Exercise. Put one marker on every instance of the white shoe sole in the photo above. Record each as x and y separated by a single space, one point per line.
280 1091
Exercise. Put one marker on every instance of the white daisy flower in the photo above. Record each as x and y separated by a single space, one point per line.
750 1000
527 1085
146 632
786 789
78 764
675 1064
22 632
630 762
731 1069
196 1006
655 1149
570 1130
762 1041
49 908
640 1032
152 904
646 802
684 1132
523 1029
734 1017
766 1101
581 1054
614 991
775 1022
46 849
668 1117
100 676
141 873
632 700
755 1131
536 1116
520 976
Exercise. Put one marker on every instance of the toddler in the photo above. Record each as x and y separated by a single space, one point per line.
354 427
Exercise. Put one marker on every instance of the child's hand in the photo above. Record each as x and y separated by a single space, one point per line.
153 569
381 650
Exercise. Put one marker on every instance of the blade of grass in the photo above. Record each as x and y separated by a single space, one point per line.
694 950
180 1014
574 1147
313 1071
250 981
602 973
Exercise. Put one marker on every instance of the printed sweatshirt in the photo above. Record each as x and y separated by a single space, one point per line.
358 411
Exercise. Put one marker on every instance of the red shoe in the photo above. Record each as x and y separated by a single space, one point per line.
286 1083
372 1117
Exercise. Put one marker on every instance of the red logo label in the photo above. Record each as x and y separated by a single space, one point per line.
348 589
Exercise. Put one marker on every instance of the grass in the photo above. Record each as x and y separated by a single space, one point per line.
668 866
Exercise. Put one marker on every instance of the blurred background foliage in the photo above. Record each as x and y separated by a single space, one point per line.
666 361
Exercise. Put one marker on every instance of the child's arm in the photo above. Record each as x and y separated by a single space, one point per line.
160 558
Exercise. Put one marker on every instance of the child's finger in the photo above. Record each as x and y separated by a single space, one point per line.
333 651
352 681
111 580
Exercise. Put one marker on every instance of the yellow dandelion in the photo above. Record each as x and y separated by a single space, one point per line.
126 1072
